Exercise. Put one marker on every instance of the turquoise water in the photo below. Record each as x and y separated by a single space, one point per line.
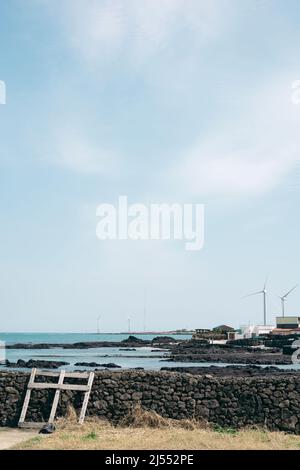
146 357
11 338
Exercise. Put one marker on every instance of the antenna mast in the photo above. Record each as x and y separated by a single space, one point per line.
144 311
98 324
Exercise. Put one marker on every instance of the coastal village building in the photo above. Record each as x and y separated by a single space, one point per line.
286 331
223 329
208 335
287 323
250 331
219 333
225 332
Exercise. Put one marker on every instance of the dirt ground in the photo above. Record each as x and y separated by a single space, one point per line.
9 437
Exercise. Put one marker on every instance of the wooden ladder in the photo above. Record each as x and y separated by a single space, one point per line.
59 386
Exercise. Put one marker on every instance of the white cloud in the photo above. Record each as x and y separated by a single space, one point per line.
213 171
157 22
249 153
75 151
96 29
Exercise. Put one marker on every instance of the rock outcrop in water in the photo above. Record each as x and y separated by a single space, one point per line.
192 351
36 363
130 342
109 365
195 351
163 340
134 340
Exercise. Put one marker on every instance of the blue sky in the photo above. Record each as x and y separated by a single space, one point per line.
163 101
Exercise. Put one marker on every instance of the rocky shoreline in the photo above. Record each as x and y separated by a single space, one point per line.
185 351
256 359
109 365
194 351
127 344
33 363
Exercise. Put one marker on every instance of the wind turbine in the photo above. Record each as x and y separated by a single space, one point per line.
264 292
284 298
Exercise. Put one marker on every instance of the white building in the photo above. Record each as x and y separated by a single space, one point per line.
251 331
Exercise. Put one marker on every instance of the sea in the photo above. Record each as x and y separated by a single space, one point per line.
148 358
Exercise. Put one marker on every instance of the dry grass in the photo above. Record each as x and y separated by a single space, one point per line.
140 418
148 430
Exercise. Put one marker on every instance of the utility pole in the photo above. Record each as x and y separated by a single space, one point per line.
144 311
129 329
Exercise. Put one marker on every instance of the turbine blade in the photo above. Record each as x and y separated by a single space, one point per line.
266 282
254 293
290 291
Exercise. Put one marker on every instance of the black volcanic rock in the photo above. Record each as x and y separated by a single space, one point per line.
33 346
193 351
109 365
233 371
256 359
163 340
87 364
133 339
33 363
270 401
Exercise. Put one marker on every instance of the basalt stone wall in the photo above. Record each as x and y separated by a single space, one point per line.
272 401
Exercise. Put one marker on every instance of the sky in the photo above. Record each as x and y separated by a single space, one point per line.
164 101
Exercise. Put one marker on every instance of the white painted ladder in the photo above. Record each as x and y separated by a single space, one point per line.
59 386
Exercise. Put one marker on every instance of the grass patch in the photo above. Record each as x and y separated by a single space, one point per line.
146 430
220 430
35 440
91 436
